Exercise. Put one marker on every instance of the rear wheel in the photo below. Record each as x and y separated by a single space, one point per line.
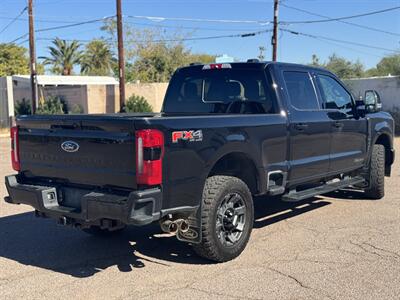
227 218
376 188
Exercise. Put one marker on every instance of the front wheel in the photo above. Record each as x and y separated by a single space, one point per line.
376 188
227 218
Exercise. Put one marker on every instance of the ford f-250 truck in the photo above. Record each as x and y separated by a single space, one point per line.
226 133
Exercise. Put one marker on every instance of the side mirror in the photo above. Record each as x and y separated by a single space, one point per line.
372 101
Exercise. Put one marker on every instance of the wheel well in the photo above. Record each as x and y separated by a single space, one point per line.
238 165
384 140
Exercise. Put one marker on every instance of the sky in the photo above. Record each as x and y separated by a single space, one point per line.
254 16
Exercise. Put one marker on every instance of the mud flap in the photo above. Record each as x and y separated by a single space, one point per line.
193 235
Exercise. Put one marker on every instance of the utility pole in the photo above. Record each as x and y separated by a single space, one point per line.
261 56
274 40
121 59
32 55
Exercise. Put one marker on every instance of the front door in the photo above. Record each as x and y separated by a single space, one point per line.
309 128
349 133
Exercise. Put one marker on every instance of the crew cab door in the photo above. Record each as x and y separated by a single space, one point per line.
349 132
309 128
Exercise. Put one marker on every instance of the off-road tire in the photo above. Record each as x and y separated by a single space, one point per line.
376 187
215 191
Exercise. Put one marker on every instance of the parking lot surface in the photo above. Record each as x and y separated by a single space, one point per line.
339 246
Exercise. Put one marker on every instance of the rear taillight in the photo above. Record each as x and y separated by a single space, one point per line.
15 148
149 154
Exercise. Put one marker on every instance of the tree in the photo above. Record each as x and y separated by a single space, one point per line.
201 58
13 60
151 56
63 56
137 104
23 107
97 59
388 65
340 66
53 105
158 61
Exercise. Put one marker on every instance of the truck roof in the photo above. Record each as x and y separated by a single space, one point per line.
256 64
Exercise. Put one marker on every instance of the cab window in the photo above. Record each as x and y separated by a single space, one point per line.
333 94
301 90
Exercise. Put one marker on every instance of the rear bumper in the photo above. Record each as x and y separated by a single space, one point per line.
137 208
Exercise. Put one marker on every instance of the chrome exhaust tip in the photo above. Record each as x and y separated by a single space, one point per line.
173 227
169 226
183 226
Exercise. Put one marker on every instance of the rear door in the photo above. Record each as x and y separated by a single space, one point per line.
349 133
309 127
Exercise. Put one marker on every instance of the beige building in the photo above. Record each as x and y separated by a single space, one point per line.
92 94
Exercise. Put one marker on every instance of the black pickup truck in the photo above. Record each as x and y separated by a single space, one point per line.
226 133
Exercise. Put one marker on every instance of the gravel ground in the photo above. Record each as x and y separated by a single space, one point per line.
336 247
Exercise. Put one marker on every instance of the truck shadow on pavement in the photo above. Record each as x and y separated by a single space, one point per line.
348 194
41 243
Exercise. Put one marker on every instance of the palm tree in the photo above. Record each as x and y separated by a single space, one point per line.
97 59
63 56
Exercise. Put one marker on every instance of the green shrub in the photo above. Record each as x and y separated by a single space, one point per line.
76 109
53 105
137 104
23 107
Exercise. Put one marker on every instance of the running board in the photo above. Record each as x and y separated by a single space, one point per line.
294 196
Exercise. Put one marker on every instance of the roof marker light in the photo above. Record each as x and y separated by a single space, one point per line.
217 66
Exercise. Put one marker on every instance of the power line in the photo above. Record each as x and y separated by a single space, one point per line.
74 24
37 20
337 40
187 27
64 26
349 48
14 19
341 21
161 19
342 18
239 35
130 22
261 22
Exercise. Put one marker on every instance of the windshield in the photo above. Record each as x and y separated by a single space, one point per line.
194 90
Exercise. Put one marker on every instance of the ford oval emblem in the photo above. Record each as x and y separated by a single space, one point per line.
70 146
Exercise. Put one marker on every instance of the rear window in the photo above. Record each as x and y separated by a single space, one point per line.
232 91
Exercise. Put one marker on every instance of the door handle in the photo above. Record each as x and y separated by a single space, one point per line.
338 124
300 126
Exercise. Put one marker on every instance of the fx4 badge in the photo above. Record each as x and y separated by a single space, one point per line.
191 136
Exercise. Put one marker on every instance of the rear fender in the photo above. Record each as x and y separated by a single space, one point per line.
234 147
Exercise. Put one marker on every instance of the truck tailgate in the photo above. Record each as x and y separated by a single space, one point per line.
90 150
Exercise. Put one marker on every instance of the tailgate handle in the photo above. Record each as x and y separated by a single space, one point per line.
72 126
